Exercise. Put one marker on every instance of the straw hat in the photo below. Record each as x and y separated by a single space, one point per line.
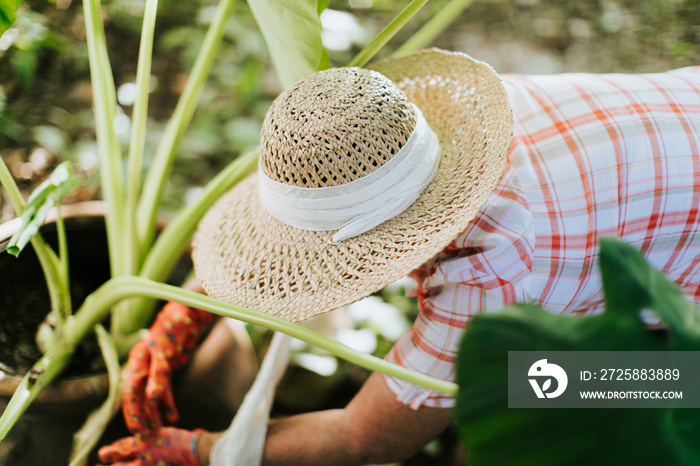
335 127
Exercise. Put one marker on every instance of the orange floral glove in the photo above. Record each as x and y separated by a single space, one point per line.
168 445
147 390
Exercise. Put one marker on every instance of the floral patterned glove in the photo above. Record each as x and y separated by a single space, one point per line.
167 445
147 390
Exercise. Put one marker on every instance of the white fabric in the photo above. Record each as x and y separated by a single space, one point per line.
244 441
356 207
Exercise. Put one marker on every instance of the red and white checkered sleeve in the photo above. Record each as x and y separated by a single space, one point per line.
486 268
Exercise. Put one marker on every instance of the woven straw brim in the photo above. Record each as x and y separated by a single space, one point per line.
244 256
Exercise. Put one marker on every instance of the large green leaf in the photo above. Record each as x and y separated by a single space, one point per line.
292 30
497 435
8 13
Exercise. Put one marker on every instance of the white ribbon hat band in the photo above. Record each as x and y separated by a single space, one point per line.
360 205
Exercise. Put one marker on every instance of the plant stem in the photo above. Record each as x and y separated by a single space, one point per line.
138 133
175 238
87 437
433 28
66 308
97 306
116 289
173 241
387 33
165 152
109 153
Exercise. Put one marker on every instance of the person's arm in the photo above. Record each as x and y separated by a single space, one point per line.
373 428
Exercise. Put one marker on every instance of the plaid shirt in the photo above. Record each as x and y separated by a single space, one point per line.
591 156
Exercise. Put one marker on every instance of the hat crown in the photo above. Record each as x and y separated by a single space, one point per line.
334 127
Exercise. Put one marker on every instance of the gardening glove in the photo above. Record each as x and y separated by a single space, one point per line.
168 445
147 391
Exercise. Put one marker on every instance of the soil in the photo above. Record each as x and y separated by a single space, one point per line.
24 299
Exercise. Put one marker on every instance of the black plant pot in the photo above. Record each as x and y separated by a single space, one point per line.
43 436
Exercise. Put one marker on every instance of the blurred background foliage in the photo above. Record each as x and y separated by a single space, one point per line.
46 115
45 97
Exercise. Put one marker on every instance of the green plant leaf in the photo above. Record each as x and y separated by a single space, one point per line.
376 44
46 196
164 156
109 152
497 435
432 29
631 285
8 13
292 30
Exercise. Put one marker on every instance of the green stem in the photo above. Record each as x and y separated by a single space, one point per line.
67 307
138 133
165 152
98 304
85 440
174 239
109 153
387 33
176 236
433 28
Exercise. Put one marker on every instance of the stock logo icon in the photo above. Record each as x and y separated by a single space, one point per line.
544 371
